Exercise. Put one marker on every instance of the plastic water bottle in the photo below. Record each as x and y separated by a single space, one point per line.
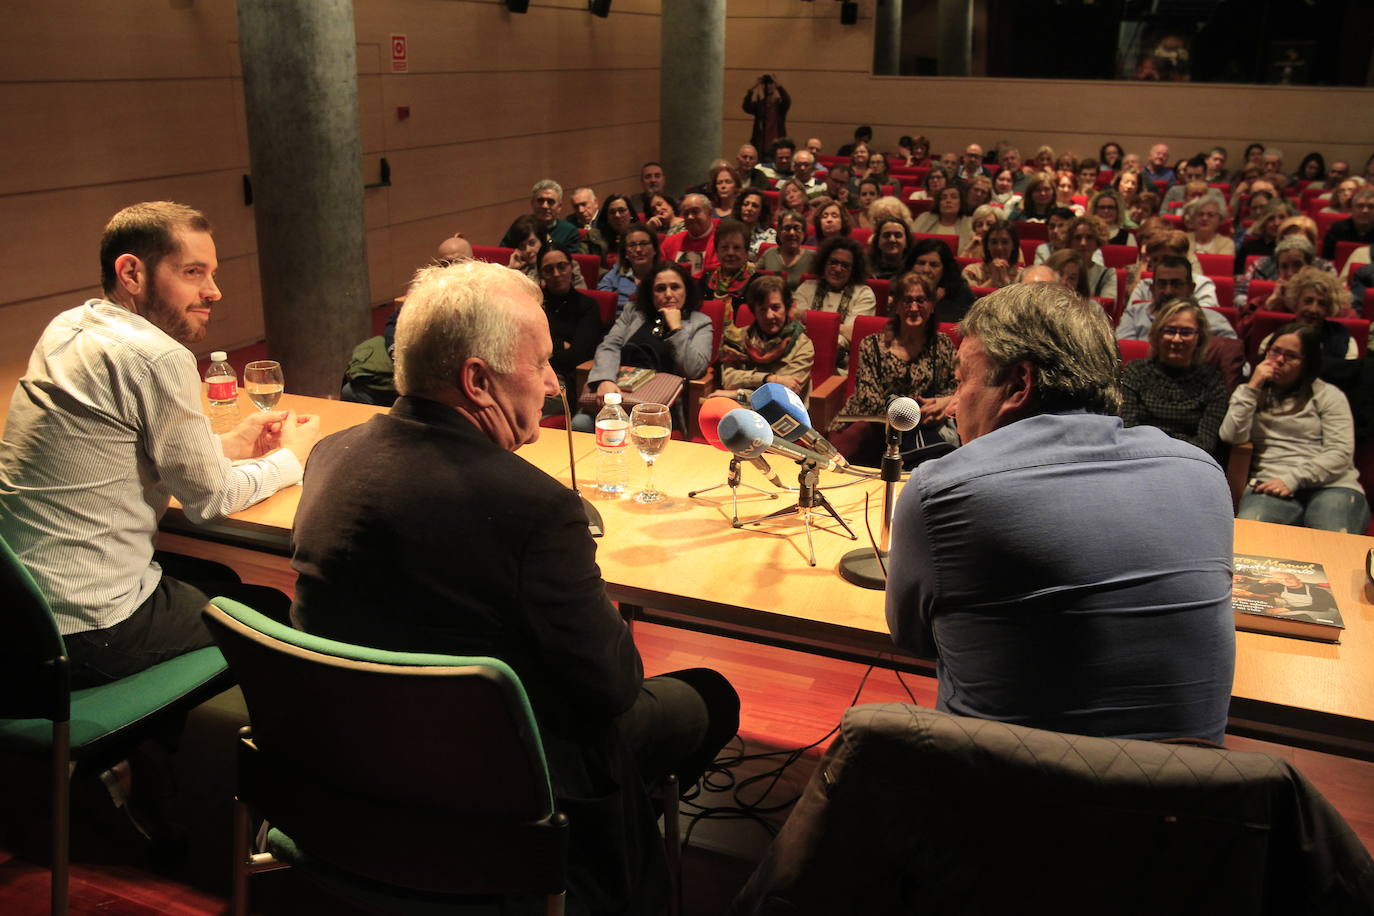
612 441
223 393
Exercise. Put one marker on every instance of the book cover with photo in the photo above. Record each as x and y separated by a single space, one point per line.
1284 597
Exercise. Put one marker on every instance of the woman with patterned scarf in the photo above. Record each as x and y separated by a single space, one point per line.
772 349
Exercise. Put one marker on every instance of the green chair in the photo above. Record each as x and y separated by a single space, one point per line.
403 782
40 714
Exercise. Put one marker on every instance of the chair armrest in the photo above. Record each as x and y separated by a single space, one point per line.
825 402
580 374
1238 470
698 389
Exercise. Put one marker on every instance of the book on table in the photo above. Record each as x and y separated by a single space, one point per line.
1284 597
632 378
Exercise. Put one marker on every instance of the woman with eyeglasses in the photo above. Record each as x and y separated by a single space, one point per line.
1314 297
788 256
638 252
909 358
1175 389
1108 206
841 287
1302 471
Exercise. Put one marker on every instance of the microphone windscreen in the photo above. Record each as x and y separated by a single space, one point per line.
709 417
783 410
745 433
904 414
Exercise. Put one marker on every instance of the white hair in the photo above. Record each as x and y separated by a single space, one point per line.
547 184
454 313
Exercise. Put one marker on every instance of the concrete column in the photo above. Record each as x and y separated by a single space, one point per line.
887 45
300 87
954 20
691 88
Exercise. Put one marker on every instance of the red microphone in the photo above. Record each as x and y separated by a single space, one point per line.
713 410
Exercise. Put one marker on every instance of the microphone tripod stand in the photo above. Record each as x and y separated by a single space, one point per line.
732 480
809 500
866 566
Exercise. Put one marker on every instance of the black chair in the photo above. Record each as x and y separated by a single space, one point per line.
94 727
394 780
915 811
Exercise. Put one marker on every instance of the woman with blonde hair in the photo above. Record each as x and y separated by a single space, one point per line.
1108 206
1314 297
1175 390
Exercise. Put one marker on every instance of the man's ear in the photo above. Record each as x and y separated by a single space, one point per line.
1021 392
130 274
475 382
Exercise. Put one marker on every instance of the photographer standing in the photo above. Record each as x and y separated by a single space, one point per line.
768 102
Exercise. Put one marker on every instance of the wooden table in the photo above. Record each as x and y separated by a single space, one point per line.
684 564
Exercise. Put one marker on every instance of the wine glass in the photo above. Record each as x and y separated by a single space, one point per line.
264 383
650 425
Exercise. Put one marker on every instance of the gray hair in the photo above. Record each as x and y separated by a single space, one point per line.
547 184
454 313
1299 243
1067 340
1191 207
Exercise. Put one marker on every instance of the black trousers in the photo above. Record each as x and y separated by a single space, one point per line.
167 623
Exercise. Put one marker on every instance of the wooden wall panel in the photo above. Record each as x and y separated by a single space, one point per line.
108 104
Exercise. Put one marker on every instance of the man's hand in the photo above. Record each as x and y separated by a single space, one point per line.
299 433
790 381
1274 487
258 434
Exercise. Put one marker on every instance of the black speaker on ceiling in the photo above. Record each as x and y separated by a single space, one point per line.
600 8
849 13
518 6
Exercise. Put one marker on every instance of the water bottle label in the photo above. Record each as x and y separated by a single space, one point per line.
226 390
612 435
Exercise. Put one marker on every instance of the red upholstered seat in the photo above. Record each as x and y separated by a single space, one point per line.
1028 229
1217 265
1120 255
861 235
824 330
882 292
1028 247
863 326
1343 252
590 265
494 254
606 304
1133 349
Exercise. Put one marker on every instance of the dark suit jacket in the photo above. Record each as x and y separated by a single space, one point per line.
416 533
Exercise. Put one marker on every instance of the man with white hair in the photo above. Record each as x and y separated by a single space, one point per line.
747 164
695 246
546 203
485 554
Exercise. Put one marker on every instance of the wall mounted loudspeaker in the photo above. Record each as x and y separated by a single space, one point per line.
849 13
600 8
518 6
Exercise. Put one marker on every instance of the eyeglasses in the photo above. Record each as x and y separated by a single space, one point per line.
642 243
1180 333
915 300
1288 355
557 268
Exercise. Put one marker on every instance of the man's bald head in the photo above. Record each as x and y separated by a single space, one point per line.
1040 273
453 248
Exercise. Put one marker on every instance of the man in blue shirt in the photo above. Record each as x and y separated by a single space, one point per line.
1071 574
1157 169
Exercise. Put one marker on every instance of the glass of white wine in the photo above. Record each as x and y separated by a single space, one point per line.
650 426
264 383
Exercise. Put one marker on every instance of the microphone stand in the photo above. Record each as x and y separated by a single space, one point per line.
732 480
865 566
594 523
809 499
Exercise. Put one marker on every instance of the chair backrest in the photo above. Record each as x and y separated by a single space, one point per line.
951 241
1262 324
951 330
495 254
715 310
607 305
824 330
1343 252
1231 315
34 676
861 234
437 731
1359 329
1226 289
1259 291
1325 221
1217 265
863 326
1120 255
917 207
590 265
882 294
1133 349
1028 247
744 316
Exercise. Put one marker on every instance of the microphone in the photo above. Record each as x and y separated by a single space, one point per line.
594 523
903 414
748 435
786 414
866 567
708 419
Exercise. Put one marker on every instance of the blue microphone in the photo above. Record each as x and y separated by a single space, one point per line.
786 414
748 435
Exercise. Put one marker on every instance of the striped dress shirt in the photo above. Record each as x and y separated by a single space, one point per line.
103 428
